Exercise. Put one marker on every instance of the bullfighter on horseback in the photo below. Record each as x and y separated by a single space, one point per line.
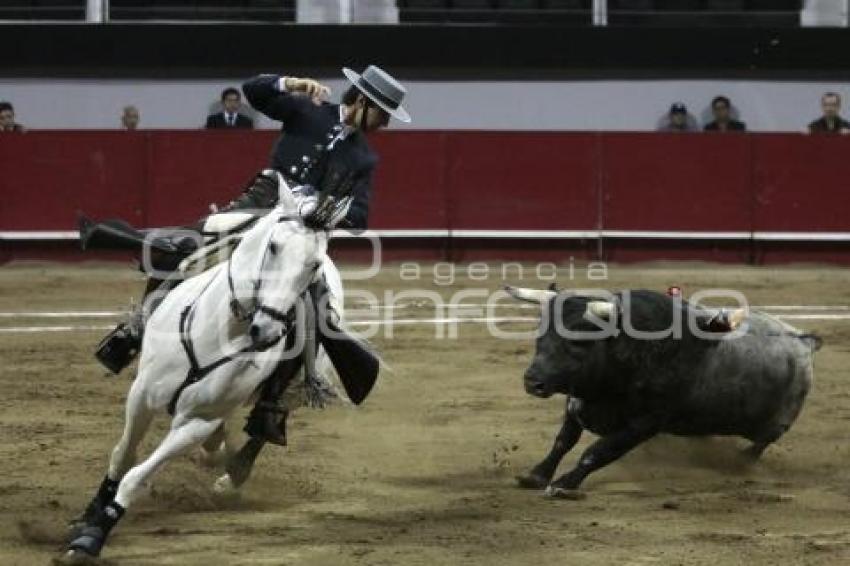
321 143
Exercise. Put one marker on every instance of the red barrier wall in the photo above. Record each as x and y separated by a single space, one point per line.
46 178
468 180
669 183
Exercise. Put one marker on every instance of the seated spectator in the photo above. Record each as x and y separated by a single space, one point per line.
130 118
831 122
7 118
678 120
229 117
721 108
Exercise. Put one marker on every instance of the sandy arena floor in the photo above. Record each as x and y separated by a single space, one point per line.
423 472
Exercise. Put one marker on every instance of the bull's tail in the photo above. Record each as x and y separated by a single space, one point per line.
813 340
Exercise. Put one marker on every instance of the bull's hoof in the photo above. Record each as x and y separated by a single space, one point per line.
556 492
532 481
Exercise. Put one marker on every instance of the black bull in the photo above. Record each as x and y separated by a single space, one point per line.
626 389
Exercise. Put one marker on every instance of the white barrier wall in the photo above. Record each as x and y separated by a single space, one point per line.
579 105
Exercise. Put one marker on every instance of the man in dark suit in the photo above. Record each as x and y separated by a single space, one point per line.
721 108
831 122
320 142
229 117
319 137
7 118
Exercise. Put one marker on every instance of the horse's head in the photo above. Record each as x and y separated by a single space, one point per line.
272 266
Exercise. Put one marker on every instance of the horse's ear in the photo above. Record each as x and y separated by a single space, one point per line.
285 198
553 286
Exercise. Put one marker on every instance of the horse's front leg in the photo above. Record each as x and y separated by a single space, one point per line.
184 435
137 420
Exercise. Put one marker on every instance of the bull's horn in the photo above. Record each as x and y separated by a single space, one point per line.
601 309
537 296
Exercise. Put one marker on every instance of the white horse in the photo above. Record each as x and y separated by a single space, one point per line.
207 348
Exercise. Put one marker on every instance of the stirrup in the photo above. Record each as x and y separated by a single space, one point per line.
118 349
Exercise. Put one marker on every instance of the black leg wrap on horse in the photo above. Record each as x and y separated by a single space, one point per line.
267 420
105 494
92 537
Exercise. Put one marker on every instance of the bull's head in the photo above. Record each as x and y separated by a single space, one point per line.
570 340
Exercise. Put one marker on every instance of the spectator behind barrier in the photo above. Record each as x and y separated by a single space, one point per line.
721 109
831 122
678 120
229 117
130 118
7 118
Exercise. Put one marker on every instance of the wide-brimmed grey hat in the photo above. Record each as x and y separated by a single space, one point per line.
381 88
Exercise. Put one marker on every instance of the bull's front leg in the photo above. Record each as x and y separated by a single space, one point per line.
601 453
541 474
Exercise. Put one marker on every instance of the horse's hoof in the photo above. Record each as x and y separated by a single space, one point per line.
224 486
76 557
556 492
89 543
532 481
75 529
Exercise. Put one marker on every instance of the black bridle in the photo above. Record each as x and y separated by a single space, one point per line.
236 307
187 316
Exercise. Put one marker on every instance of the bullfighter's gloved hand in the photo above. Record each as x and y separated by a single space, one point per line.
305 199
